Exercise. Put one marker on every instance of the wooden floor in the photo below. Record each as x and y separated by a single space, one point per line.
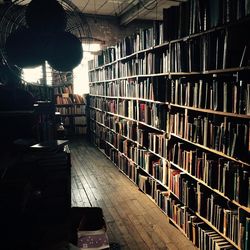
133 220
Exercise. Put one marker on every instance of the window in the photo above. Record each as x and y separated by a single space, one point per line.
80 73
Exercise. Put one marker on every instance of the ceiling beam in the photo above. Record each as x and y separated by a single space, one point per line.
133 11
142 7
128 7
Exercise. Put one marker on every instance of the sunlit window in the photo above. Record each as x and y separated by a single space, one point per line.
34 75
80 73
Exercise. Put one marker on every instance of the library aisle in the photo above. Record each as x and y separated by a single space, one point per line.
133 221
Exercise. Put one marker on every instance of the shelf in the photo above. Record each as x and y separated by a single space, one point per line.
127 138
114 79
185 38
175 165
209 52
228 70
202 218
172 134
69 104
131 119
61 84
105 96
176 225
103 125
120 170
60 94
215 229
129 98
211 150
212 189
96 109
206 72
72 115
166 187
210 111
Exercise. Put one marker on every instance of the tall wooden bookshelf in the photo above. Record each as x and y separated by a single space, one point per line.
70 108
170 107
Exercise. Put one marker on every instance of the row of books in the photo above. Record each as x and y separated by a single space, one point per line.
107 55
153 114
39 92
211 51
78 99
72 110
140 156
124 127
79 120
99 116
128 167
128 129
209 206
61 77
193 227
132 88
191 161
196 230
226 136
190 17
192 92
228 177
72 121
143 39
183 187
121 161
107 89
127 108
204 166
63 89
64 100
231 137
150 113
220 135
149 89
206 93
196 16
156 142
69 99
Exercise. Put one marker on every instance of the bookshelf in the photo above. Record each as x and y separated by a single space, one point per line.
70 108
170 107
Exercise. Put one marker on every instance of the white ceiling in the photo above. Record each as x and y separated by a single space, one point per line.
102 7
139 9
126 10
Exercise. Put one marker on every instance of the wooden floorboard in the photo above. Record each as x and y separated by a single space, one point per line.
133 220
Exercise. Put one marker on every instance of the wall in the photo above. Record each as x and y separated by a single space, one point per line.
107 29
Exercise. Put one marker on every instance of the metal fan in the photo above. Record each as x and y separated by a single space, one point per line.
13 18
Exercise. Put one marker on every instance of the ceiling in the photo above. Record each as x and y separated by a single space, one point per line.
126 10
